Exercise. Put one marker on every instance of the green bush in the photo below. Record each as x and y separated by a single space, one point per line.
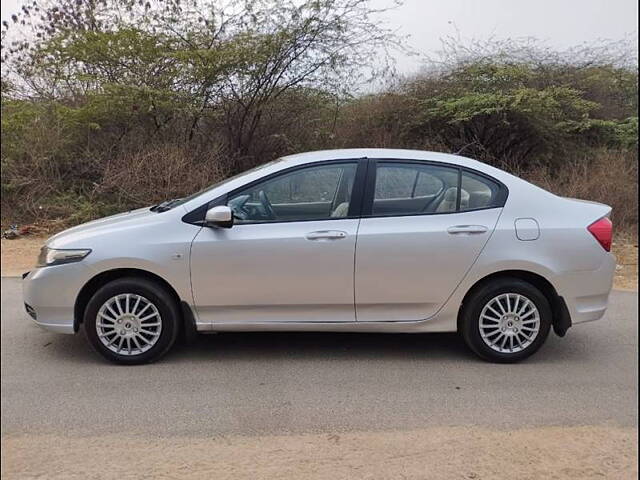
104 110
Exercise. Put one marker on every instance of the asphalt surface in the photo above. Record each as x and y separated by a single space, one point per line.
283 382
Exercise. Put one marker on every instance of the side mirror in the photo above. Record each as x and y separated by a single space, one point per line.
220 216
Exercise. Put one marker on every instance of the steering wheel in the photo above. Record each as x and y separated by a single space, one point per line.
238 207
266 204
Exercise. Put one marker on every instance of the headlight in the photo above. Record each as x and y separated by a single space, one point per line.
51 256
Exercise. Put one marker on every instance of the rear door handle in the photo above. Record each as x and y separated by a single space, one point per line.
467 229
326 235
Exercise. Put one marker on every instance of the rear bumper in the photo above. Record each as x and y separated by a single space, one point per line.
50 294
586 293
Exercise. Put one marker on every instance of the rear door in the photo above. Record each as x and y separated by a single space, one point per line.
423 226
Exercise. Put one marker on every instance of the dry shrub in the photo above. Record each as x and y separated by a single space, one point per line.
160 172
374 121
607 176
34 163
56 193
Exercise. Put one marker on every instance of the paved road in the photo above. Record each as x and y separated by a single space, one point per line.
277 383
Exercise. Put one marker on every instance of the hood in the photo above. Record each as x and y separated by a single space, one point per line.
69 238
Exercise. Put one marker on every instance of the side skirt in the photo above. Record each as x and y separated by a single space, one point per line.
383 327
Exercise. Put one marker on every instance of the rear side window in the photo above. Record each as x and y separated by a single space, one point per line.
413 188
478 192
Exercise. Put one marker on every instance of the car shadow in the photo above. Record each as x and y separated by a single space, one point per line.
258 346
317 345
304 346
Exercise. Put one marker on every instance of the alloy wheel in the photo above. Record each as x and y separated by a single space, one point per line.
509 323
128 324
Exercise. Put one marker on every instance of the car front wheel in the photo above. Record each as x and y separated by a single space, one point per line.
506 320
131 321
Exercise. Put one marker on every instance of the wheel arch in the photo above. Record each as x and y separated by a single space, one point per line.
92 286
561 320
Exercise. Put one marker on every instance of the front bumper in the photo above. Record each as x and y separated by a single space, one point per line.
50 294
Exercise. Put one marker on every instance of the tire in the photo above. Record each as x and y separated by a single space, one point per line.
526 325
148 324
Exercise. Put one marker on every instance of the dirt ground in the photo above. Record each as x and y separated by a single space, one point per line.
19 256
627 269
437 453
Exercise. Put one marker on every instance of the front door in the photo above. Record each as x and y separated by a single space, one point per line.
289 256
422 228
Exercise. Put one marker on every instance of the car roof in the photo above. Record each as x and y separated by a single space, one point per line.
387 153
394 154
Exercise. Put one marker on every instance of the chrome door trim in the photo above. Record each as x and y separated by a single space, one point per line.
326 235
467 229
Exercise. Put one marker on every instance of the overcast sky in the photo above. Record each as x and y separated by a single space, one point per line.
559 23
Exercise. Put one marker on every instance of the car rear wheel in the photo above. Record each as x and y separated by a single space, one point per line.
131 321
506 320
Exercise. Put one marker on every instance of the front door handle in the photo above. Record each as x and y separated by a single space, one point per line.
326 235
467 229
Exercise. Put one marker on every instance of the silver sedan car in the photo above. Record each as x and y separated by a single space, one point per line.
362 240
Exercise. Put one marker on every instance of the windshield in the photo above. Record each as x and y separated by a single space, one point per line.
169 204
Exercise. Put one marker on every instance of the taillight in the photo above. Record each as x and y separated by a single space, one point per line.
603 231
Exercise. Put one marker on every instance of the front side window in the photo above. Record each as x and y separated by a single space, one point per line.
413 188
312 193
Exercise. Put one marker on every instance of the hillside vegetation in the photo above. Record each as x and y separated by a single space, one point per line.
114 104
